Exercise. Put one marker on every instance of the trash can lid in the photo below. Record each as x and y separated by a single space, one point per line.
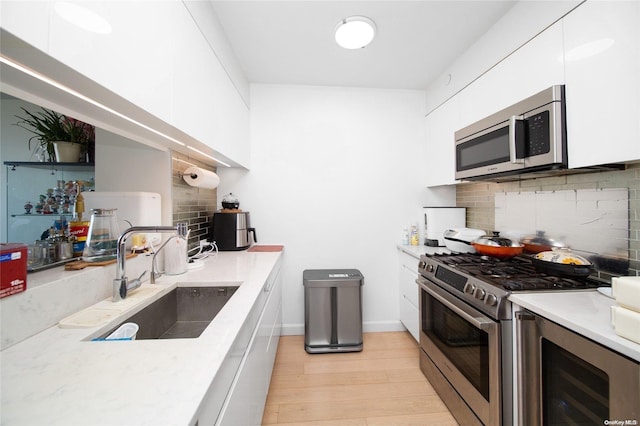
332 275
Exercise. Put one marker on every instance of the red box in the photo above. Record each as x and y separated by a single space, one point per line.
13 268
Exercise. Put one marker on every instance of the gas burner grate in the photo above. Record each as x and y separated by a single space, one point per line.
516 274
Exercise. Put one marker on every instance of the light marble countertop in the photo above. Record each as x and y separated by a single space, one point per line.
588 313
58 378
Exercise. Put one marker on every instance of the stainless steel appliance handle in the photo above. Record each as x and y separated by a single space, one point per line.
512 140
527 369
482 323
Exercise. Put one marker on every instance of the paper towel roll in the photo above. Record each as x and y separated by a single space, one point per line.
200 178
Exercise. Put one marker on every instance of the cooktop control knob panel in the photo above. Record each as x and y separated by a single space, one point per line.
491 299
479 293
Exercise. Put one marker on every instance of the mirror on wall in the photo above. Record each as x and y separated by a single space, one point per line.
39 195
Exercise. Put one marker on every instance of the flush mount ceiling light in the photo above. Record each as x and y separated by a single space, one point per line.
355 32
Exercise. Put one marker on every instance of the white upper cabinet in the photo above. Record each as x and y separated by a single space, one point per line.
602 62
28 20
204 97
532 68
441 124
130 60
153 55
595 52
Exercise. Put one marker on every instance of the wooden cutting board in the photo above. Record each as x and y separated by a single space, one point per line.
81 264
266 248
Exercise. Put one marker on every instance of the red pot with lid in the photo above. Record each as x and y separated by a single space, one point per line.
540 242
497 246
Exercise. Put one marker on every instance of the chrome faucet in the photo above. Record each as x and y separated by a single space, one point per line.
121 284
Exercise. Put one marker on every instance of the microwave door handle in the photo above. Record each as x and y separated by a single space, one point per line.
513 121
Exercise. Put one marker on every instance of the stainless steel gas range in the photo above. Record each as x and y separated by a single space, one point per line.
466 329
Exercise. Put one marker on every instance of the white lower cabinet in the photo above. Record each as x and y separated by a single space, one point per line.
407 275
245 402
239 391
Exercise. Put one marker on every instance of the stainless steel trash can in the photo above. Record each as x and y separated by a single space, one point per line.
332 310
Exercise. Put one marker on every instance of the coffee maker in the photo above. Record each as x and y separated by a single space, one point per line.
231 226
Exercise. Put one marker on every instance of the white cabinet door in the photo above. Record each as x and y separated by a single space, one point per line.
132 60
27 20
440 153
407 275
602 56
246 399
205 103
532 68
155 57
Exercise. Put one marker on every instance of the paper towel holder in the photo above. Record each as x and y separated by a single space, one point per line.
191 175
200 178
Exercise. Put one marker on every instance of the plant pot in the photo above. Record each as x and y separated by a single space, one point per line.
67 152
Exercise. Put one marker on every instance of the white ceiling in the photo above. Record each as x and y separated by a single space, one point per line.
291 42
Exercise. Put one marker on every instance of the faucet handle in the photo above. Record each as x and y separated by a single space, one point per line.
135 283
122 287
131 285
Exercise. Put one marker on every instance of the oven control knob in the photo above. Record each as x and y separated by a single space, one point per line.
430 268
422 264
469 288
491 299
479 293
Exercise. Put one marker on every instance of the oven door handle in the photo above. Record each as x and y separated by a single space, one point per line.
483 323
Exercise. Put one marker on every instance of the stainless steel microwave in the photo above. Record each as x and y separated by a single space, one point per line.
527 137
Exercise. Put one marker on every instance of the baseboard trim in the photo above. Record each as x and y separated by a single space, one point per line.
367 327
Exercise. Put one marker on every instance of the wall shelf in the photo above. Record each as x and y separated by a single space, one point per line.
51 165
42 215
28 181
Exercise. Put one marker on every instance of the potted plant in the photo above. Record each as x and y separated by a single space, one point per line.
61 138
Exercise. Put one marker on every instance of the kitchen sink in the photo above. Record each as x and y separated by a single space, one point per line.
183 313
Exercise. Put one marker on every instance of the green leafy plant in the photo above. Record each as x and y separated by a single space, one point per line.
49 126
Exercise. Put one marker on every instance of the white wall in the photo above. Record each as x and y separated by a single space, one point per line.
336 175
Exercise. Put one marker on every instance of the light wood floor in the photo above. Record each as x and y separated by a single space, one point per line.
382 385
